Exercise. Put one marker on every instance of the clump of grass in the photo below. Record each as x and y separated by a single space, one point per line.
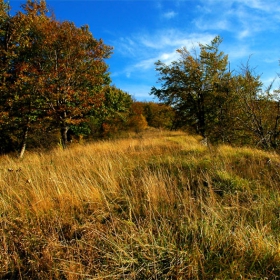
152 206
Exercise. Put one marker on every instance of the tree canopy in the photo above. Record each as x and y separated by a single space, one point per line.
52 73
195 85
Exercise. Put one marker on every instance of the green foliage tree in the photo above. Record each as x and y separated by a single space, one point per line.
257 112
196 86
112 115
158 115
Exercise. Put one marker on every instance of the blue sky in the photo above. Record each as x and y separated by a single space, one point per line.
144 31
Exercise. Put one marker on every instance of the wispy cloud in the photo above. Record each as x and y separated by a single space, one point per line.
270 6
213 17
210 24
236 16
164 38
238 52
169 15
165 57
242 23
144 64
160 45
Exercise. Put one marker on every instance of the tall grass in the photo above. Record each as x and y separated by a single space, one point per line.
153 206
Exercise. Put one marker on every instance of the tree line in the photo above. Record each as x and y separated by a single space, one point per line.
54 79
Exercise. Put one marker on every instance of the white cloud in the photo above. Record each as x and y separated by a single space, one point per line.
165 57
272 60
270 6
169 15
244 33
240 22
145 64
238 52
169 57
244 18
172 38
148 48
126 46
210 24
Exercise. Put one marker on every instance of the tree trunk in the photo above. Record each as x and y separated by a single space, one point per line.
201 115
24 141
63 131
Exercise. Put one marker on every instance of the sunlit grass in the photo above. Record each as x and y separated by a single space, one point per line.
157 205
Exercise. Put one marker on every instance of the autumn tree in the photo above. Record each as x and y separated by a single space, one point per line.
196 87
19 86
22 102
25 89
137 120
74 73
50 71
4 67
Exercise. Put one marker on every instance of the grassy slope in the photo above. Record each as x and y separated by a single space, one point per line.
160 206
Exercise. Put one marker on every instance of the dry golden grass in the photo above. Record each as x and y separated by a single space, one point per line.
157 205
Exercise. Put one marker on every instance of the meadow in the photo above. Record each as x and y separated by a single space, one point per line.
154 205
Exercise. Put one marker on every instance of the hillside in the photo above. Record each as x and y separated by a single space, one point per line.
157 205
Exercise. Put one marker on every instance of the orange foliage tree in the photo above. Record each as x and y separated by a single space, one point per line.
51 71
137 120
